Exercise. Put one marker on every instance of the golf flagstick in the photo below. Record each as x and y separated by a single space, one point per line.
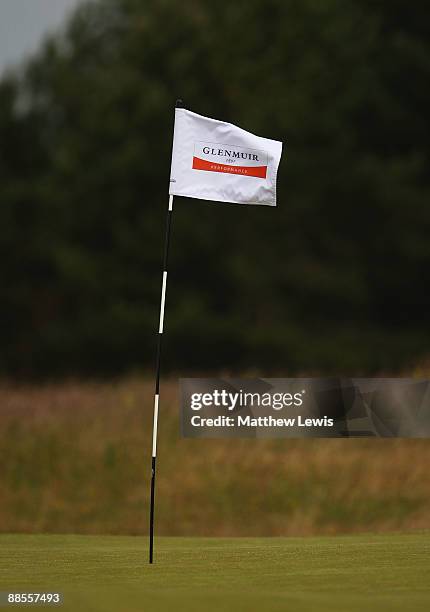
157 371
217 161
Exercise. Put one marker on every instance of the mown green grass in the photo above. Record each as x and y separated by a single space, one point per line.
328 574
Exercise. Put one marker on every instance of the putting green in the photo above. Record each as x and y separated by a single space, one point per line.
328 574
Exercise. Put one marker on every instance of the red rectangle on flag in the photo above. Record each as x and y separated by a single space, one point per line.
209 166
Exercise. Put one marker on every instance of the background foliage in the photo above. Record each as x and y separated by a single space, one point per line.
333 279
75 459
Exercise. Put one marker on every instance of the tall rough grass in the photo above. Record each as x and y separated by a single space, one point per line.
75 457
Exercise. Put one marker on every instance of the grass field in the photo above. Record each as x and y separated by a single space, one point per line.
75 458
329 574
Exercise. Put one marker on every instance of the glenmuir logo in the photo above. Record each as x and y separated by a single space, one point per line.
231 159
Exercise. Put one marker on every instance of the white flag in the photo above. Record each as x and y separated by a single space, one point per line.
213 160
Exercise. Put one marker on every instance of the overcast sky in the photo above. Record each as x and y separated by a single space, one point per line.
23 24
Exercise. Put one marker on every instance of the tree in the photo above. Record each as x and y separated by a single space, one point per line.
333 279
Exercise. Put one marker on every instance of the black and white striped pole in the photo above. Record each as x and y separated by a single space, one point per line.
158 369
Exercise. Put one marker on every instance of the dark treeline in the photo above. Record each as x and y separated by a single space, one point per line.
334 279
